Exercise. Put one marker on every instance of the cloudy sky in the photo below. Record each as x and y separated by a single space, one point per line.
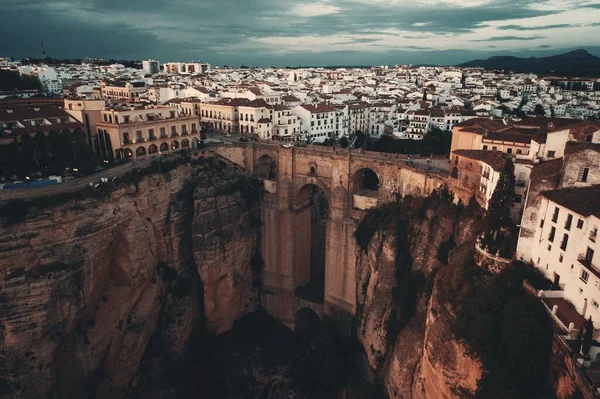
286 32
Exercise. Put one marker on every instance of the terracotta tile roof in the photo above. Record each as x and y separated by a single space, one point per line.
508 135
318 108
264 120
547 170
290 99
23 112
437 113
573 147
480 123
496 159
583 200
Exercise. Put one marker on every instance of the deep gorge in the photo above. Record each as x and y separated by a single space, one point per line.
150 288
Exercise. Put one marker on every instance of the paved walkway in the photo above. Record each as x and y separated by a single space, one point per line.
74 185
436 164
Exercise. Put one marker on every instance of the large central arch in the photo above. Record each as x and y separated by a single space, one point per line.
311 212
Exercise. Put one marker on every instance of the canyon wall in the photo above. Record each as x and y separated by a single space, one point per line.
86 284
414 351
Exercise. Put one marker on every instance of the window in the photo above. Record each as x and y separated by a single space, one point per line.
494 148
509 150
564 242
138 135
173 131
552 234
163 132
582 176
588 138
542 223
594 303
560 258
589 255
593 234
519 151
584 276
549 248
568 222
151 134
551 154
518 199
555 214
580 224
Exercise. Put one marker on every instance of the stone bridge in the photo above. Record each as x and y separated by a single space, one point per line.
352 182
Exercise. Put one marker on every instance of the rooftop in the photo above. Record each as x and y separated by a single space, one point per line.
496 159
583 201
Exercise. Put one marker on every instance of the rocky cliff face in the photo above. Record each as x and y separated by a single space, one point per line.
415 354
87 284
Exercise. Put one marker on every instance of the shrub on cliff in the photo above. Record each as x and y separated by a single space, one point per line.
510 332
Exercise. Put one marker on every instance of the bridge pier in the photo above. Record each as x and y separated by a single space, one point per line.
285 242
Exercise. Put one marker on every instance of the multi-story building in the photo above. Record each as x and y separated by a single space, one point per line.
580 167
358 117
317 122
476 173
418 124
249 116
222 115
127 131
341 120
191 68
22 120
566 248
127 91
87 112
186 106
151 66
286 125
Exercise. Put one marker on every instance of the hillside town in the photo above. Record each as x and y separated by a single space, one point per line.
545 128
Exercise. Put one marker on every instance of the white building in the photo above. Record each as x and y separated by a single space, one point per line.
567 246
151 66
317 122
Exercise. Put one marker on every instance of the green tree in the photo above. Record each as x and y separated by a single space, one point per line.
344 142
539 110
502 199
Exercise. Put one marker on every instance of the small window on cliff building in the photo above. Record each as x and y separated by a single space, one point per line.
454 173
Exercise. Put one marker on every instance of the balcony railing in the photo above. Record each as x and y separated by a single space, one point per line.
151 138
587 262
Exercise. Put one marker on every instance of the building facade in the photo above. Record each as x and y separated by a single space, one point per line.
127 132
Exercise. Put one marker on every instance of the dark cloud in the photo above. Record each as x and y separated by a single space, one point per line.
525 28
226 31
505 38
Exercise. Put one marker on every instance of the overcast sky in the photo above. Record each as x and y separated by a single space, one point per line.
285 32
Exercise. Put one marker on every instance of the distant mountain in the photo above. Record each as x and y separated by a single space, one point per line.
574 63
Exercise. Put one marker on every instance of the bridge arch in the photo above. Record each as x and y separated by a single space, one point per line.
266 167
365 179
140 151
311 214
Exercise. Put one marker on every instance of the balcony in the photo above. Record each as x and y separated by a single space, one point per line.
151 138
587 263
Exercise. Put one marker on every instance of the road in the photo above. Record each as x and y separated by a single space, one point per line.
435 164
